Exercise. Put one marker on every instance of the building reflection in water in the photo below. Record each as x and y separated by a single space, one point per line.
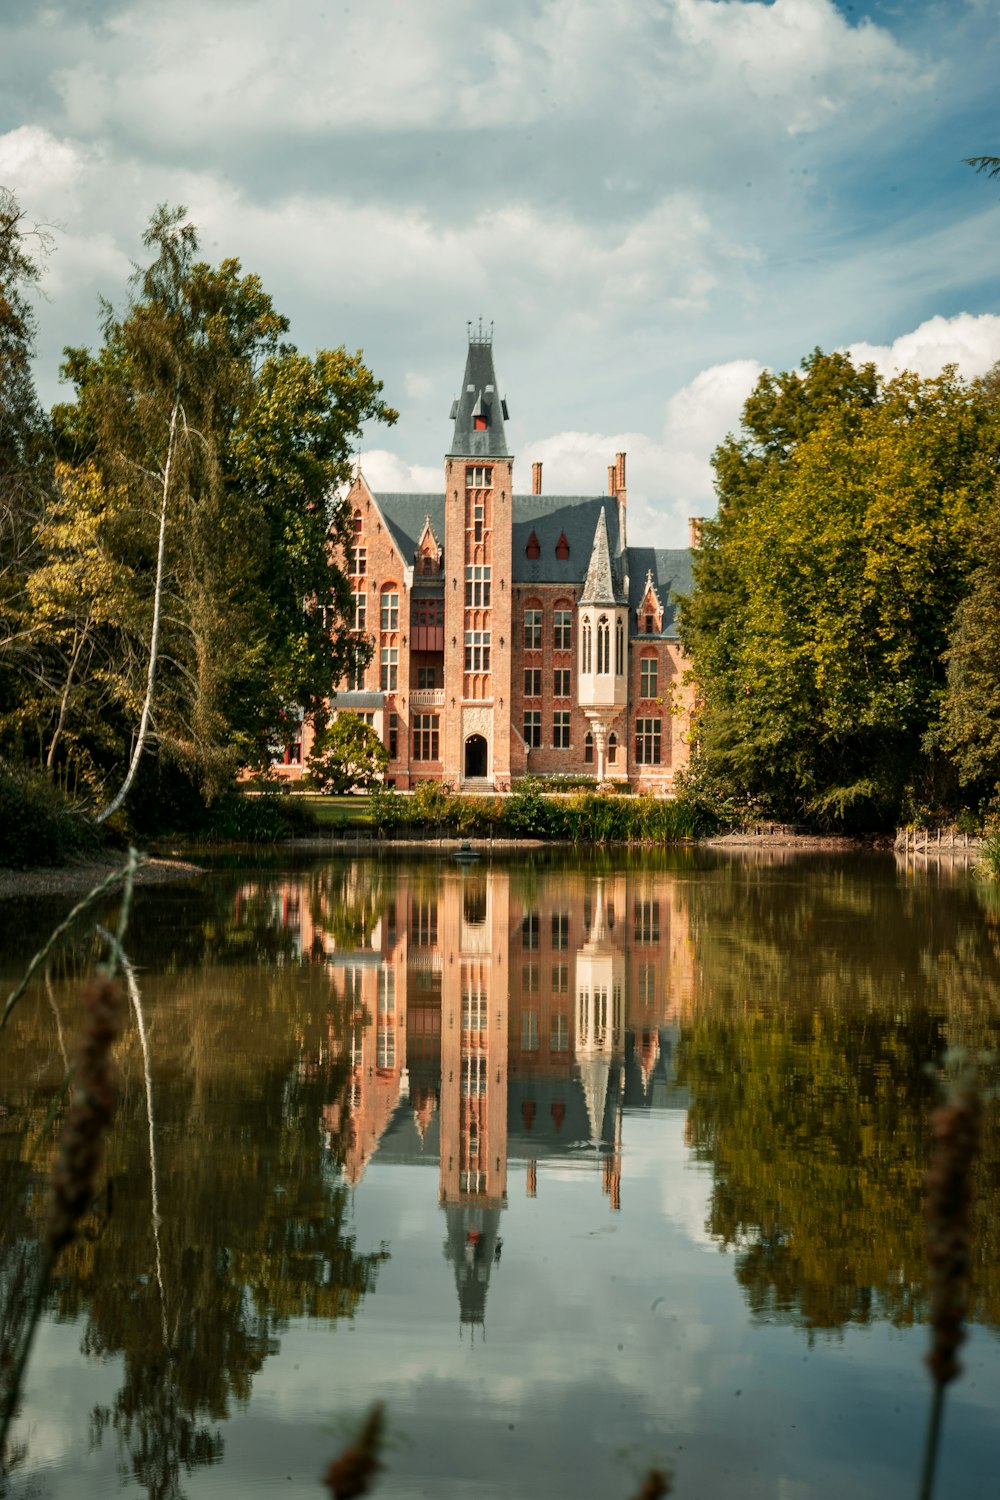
493 1022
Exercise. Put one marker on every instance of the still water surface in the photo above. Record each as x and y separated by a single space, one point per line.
581 1165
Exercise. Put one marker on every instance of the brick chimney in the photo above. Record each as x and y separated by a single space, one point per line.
536 479
612 471
619 472
694 530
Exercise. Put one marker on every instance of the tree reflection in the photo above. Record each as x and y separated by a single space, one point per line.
254 1213
821 1005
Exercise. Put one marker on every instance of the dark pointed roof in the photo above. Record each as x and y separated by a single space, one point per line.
601 585
480 398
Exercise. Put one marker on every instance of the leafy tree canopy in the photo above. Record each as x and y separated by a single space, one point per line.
197 412
347 756
825 589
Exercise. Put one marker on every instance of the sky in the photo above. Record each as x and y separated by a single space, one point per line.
650 201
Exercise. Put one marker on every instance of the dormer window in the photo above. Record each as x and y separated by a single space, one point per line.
533 549
562 547
479 424
649 624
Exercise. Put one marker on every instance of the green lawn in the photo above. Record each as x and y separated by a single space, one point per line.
338 810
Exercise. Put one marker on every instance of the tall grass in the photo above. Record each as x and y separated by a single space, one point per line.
583 817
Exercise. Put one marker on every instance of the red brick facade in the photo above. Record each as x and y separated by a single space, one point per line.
486 614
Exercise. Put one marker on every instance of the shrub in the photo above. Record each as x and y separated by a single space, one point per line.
37 825
989 859
526 812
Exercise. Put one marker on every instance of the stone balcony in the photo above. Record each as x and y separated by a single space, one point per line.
426 698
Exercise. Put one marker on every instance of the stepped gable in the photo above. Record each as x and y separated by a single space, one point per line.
671 573
480 411
550 518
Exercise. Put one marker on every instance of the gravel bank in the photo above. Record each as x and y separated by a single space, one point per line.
77 879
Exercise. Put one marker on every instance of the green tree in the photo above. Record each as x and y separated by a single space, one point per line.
347 756
24 452
971 721
824 590
230 446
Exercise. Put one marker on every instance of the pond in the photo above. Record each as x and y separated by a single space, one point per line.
581 1164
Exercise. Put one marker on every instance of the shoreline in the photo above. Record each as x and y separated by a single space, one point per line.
77 879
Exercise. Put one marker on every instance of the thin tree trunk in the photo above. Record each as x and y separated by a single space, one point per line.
154 640
50 759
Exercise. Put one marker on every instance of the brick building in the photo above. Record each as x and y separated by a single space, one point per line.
513 634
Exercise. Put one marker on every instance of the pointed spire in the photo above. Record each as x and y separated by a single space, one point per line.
479 412
601 585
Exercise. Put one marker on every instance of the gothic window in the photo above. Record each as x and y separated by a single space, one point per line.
585 647
426 737
390 610
619 647
477 650
477 586
648 677
612 749
588 749
603 646
647 742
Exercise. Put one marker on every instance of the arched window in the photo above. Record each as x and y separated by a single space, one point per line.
612 749
588 750
619 647
389 613
585 643
603 646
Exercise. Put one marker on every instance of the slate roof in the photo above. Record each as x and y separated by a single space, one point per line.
671 570
550 517
405 515
480 397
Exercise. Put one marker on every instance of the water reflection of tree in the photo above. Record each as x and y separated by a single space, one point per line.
254 1215
819 1003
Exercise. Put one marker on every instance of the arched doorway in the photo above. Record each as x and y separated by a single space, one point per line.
475 757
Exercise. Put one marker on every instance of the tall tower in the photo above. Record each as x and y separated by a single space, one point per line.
477 601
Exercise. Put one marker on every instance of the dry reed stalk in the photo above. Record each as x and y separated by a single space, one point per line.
353 1471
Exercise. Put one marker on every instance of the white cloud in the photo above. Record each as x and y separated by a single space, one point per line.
39 167
970 341
387 471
